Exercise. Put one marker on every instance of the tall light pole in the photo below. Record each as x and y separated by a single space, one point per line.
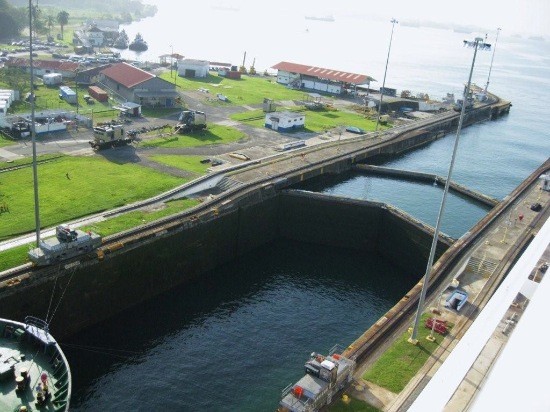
76 89
392 21
476 44
171 59
492 58
33 135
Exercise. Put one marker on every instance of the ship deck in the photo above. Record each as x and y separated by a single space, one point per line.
21 351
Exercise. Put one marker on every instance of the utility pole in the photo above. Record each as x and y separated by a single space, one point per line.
171 60
492 58
33 135
477 43
392 21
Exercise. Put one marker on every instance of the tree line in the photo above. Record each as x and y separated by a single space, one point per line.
14 19
14 14
117 7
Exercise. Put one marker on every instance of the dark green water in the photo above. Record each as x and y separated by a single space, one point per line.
235 338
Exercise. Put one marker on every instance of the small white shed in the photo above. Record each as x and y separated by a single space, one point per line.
193 68
132 109
52 79
285 121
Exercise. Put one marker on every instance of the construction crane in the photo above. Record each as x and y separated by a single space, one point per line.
252 70
242 69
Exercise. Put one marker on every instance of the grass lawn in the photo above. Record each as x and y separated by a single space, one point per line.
354 405
211 135
47 98
395 368
14 257
316 120
188 163
94 185
27 161
140 217
18 255
247 90
5 142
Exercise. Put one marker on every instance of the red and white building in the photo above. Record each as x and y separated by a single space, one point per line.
319 79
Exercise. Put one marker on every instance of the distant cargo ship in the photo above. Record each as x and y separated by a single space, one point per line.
321 18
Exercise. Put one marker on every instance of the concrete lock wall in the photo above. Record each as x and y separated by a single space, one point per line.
95 290
356 224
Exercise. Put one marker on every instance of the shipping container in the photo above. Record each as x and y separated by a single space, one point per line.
98 93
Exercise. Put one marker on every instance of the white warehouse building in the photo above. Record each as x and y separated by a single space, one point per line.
285 121
193 68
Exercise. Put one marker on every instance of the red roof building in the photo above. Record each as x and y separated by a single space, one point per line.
128 83
127 75
318 78
42 67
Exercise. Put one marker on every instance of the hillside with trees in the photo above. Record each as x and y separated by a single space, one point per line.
12 20
135 8
124 11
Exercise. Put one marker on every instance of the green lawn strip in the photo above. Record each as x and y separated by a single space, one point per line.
27 161
47 98
133 219
93 185
17 256
354 405
395 368
187 163
6 142
247 90
13 257
316 120
211 135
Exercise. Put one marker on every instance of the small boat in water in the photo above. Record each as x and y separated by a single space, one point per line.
34 373
122 41
138 44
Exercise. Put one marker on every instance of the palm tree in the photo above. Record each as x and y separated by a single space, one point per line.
50 21
62 19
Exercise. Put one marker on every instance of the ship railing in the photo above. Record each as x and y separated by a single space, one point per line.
302 403
39 323
286 390
338 349
39 328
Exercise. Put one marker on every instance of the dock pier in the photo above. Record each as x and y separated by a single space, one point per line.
427 177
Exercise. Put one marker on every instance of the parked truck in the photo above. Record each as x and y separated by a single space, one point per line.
190 120
109 135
